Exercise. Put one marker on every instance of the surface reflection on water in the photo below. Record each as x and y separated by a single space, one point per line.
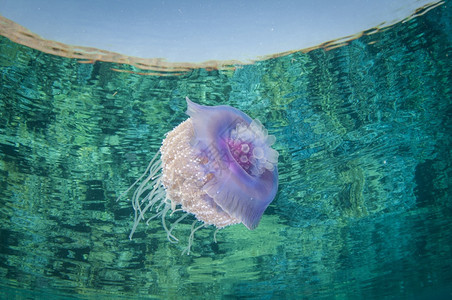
363 209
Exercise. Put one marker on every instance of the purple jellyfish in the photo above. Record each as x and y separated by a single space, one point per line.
217 165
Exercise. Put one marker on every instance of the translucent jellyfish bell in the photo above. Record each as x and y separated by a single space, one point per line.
218 165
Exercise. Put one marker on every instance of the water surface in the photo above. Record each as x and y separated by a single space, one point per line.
363 210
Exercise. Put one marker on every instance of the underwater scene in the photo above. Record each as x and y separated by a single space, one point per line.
363 209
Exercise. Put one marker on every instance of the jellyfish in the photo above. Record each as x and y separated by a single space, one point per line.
218 165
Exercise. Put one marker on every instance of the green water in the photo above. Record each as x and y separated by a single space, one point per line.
364 207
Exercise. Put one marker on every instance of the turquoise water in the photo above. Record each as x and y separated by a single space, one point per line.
364 206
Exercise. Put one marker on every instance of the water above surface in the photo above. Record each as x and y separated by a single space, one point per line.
363 208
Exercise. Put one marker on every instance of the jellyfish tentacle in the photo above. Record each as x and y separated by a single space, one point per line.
141 177
215 235
177 222
192 236
169 236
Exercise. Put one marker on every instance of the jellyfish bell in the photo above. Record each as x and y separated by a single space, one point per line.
217 165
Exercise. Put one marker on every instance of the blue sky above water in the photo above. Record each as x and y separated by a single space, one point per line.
197 31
